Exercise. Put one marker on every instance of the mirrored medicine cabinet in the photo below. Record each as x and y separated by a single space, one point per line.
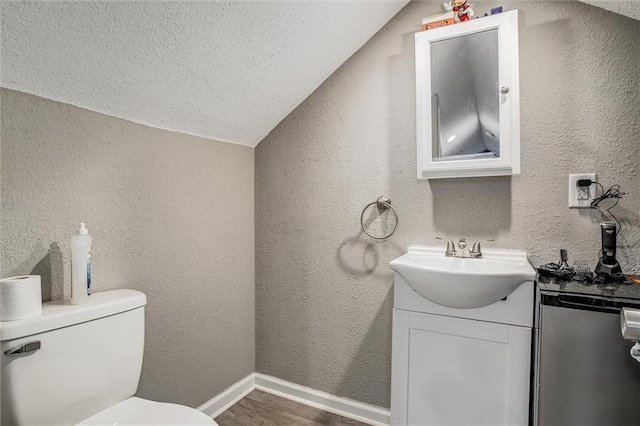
467 99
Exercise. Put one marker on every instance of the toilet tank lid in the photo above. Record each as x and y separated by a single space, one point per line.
61 313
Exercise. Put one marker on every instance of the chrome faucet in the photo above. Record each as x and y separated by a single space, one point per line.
451 248
462 249
476 250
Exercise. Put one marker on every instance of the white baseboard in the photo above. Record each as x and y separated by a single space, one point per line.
345 407
349 408
221 402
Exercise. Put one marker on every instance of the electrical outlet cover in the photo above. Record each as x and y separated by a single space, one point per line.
581 197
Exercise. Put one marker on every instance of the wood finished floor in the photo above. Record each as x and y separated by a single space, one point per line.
264 409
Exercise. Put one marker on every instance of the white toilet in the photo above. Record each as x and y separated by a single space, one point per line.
80 364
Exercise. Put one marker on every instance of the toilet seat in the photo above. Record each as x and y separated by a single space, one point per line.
138 411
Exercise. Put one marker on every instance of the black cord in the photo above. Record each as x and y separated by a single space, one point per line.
613 192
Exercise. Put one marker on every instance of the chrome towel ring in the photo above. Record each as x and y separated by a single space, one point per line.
383 203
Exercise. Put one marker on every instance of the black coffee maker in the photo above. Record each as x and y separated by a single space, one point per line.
608 265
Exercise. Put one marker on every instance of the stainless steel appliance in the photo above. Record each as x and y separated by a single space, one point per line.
585 374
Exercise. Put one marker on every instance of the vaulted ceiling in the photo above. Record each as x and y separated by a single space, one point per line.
630 8
229 71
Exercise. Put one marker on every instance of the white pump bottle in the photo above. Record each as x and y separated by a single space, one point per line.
80 266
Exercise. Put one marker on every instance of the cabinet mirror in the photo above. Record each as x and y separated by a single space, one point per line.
468 99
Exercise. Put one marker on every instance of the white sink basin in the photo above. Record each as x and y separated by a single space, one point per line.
463 282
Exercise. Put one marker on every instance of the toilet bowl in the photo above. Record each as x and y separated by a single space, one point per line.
138 411
80 364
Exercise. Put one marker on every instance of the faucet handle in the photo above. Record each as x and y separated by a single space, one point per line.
476 250
451 248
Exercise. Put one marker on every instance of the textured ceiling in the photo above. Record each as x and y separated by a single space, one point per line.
229 71
630 8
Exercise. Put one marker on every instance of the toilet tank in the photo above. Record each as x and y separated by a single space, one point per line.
78 359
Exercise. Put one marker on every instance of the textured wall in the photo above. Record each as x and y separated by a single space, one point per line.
323 296
170 215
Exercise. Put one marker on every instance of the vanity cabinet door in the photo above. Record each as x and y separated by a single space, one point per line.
453 371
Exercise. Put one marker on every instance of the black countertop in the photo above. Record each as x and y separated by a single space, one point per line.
618 290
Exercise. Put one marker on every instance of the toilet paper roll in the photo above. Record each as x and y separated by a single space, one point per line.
20 297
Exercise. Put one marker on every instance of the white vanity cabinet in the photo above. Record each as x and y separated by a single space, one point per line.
455 366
